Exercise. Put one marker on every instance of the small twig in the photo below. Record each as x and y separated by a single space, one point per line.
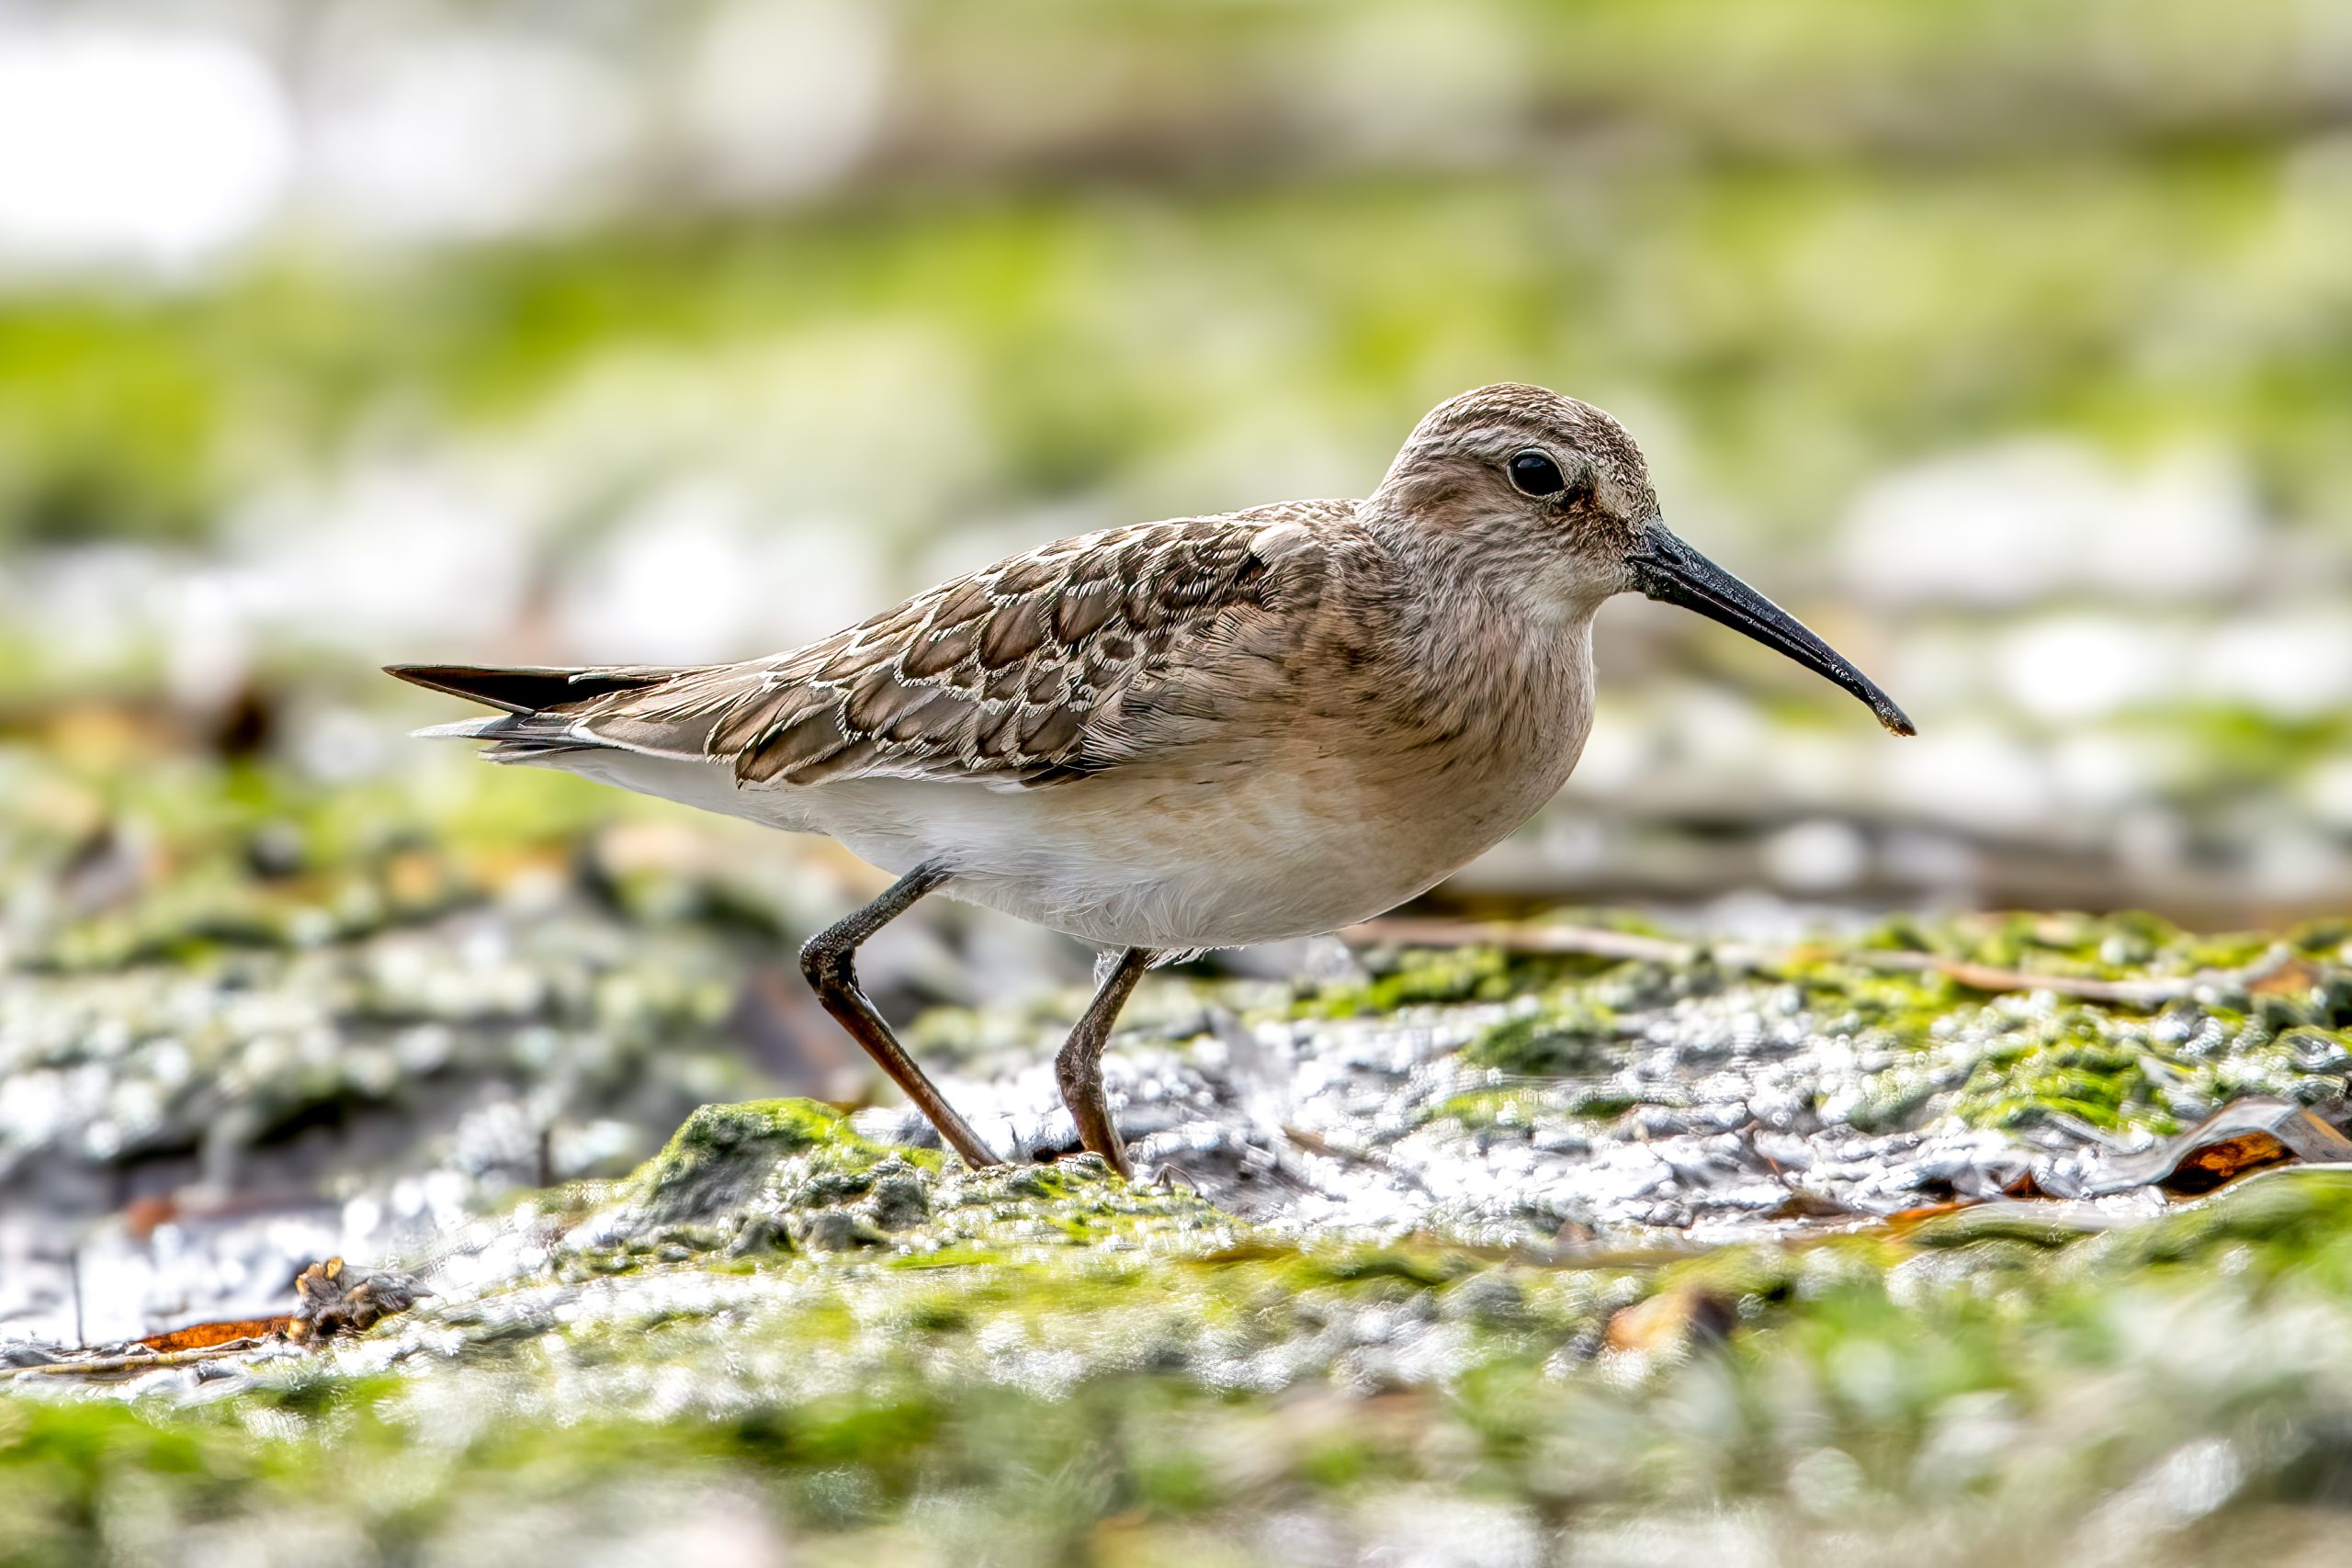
1593 941
1600 943
2153 991
1316 1144
93 1364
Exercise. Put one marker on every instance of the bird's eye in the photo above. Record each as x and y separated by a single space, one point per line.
1532 473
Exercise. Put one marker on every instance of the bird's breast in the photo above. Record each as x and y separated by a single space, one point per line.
1317 793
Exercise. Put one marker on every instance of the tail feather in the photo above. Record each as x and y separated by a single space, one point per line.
525 689
535 740
552 712
516 736
483 728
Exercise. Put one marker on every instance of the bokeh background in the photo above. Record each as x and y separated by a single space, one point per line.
2008 344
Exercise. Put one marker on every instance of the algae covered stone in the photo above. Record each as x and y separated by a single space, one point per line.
724 1155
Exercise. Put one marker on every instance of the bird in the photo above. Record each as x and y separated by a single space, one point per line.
1179 736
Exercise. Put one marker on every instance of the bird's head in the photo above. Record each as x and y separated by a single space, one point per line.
1555 490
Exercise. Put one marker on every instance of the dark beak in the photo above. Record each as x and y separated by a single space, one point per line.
1666 569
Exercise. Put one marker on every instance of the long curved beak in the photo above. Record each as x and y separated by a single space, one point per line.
1668 569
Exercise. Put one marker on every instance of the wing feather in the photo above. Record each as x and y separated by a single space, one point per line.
1027 672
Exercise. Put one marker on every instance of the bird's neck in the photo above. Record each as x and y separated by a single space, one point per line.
1492 643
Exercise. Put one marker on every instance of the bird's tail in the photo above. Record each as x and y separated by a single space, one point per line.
540 703
529 688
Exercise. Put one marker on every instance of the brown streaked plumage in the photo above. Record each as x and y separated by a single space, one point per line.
1017 673
1197 733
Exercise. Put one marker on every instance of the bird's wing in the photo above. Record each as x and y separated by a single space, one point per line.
1044 668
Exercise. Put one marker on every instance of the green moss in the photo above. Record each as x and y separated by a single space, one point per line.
728 1138
1573 1035
2074 1065
1523 1109
771 1179
1420 1266
762 1175
1482 1108
2039 1227
1924 1047
1411 976
1894 1009
848 1399
1891 1101
2125 945
2273 1220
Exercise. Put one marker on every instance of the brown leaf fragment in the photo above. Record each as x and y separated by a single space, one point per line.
142 1217
2205 1169
1903 1222
2292 978
331 1299
204 1335
2242 1136
1805 1203
1686 1316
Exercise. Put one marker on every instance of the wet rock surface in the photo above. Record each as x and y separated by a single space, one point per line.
1501 1100
1551 1247
216 1127
1049 1353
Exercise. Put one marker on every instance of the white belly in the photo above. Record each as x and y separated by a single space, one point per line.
1133 866
1133 861
1141 863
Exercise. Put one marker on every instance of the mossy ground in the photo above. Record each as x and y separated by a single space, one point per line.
1001 1387
1928 1047
779 1330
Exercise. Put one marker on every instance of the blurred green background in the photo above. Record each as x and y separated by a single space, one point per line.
2010 344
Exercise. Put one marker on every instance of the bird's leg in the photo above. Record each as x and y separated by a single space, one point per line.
830 960
1080 1065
